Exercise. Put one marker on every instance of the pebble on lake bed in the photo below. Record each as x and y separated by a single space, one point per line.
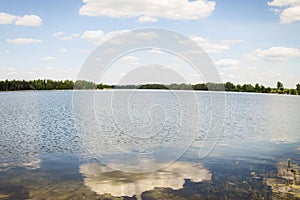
287 181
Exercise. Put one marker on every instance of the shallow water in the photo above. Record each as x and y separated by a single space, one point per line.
148 145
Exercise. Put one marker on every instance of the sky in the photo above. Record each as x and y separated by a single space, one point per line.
255 41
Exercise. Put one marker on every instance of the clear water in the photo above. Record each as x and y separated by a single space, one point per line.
148 145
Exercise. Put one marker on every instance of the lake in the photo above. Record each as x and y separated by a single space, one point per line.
149 144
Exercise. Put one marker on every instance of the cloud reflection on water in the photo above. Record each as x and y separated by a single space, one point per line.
102 179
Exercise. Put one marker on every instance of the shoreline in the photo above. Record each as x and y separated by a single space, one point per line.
150 90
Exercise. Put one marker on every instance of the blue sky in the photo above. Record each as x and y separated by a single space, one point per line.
249 41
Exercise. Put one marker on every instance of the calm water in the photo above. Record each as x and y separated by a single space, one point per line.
149 145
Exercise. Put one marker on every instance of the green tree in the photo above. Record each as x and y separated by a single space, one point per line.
247 88
215 86
257 88
200 86
293 91
298 88
49 85
84 85
153 86
238 88
102 86
229 86
279 86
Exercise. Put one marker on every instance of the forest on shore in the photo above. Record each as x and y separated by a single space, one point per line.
46 84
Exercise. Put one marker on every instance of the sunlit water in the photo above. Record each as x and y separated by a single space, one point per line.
146 145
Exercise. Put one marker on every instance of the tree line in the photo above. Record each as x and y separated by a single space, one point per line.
228 86
47 84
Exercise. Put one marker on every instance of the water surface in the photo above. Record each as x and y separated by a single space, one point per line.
87 144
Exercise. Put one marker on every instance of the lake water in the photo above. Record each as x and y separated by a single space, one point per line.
144 144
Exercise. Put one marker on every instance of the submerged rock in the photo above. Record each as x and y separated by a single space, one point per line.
287 182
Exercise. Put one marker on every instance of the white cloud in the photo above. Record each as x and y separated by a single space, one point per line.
149 10
132 60
98 36
274 53
282 3
289 10
145 35
26 20
156 51
48 58
62 50
129 59
93 36
145 19
65 36
7 71
11 73
85 51
213 47
227 62
29 20
9 68
23 41
47 72
7 18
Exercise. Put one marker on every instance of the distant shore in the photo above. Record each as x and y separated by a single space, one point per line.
46 84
